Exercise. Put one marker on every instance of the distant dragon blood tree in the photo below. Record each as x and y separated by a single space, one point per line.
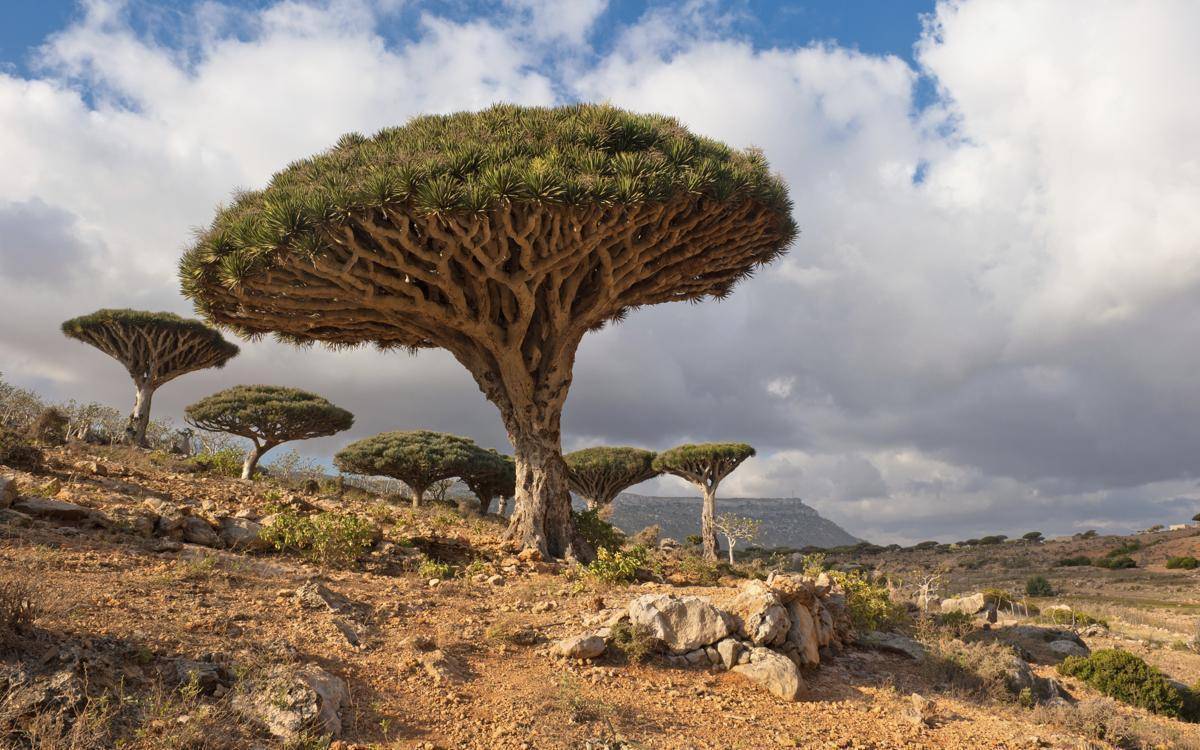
267 416
705 465
502 236
490 475
599 474
417 457
155 348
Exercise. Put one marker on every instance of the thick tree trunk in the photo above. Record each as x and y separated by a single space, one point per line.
418 496
139 418
484 504
541 517
708 531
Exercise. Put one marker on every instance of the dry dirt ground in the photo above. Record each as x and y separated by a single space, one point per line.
135 606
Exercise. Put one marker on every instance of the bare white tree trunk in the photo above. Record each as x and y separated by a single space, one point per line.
708 529
139 418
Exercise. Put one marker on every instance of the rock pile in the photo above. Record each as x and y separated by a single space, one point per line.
766 633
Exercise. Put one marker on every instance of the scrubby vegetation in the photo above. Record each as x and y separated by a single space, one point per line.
1182 562
1038 586
1121 675
327 538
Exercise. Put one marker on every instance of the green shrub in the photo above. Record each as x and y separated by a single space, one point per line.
226 462
1121 675
1032 536
17 451
1074 562
1038 586
1184 562
698 571
599 533
617 566
997 597
431 568
1089 534
926 545
1130 546
992 539
1072 617
635 641
1119 562
868 603
327 538
957 623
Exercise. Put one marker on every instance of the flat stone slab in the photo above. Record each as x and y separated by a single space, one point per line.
41 507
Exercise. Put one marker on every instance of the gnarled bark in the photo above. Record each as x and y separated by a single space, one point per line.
139 418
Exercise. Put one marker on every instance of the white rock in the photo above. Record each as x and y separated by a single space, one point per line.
241 534
288 701
682 624
774 672
728 650
579 647
1067 648
803 634
760 615
967 604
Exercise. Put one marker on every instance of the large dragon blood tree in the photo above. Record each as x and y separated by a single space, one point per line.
502 236
155 347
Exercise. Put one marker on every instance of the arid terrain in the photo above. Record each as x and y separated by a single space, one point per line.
141 638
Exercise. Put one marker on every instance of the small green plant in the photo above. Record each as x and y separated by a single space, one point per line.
431 568
697 570
1038 586
1184 562
224 462
599 533
327 538
635 641
617 566
1078 561
1126 677
868 603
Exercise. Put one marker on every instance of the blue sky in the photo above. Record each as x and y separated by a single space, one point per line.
872 26
986 325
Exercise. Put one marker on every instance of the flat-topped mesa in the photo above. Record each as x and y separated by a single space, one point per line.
502 236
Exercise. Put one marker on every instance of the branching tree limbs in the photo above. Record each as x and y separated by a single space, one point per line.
267 415
155 348
502 236
736 529
705 465
600 474
418 458
490 475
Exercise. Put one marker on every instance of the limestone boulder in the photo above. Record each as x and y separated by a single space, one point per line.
802 634
55 510
680 623
288 700
241 533
774 672
198 531
760 615
579 647
970 605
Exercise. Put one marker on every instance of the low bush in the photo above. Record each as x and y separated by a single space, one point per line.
1184 562
224 462
956 623
987 670
868 603
1078 561
326 538
997 597
1119 562
1126 677
18 451
431 568
634 641
1038 586
1072 617
599 533
697 570
1102 719
617 566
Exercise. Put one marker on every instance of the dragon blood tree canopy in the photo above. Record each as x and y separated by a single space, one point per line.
155 347
267 415
502 236
416 457
600 474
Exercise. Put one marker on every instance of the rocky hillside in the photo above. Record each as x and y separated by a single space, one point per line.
787 521
138 610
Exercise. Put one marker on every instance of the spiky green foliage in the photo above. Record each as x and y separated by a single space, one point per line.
155 347
490 474
1126 677
416 457
469 164
600 474
703 464
268 414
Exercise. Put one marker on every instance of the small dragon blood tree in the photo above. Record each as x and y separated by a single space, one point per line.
267 415
490 475
705 465
600 474
417 457
502 236
155 347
